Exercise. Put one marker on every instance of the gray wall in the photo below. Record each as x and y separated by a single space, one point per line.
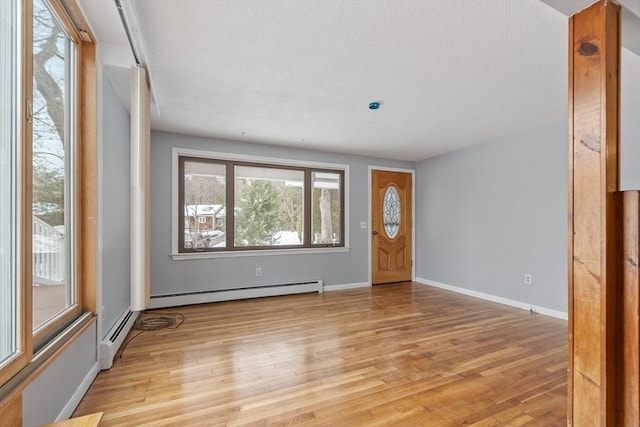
630 121
488 215
168 276
47 395
114 205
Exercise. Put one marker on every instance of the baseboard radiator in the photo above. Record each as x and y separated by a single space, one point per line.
172 300
115 337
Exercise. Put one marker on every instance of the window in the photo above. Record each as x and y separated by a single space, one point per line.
326 219
268 206
44 149
204 204
8 107
237 204
52 167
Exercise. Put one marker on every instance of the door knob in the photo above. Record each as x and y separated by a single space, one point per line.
374 232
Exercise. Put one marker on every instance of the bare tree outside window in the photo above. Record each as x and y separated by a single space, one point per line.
291 208
326 209
52 85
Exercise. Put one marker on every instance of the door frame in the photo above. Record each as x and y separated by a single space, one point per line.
413 218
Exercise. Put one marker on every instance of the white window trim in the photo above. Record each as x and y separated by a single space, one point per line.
177 152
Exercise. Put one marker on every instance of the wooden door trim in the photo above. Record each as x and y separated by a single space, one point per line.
369 217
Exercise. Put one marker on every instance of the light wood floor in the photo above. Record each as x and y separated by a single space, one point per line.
401 355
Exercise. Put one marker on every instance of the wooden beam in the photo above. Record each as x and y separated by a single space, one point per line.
629 324
594 58
87 213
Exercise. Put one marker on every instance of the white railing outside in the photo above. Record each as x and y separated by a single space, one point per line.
48 254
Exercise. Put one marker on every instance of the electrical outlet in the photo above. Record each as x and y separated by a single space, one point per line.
528 279
258 271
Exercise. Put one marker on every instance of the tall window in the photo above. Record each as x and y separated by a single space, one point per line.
8 134
41 147
326 219
53 165
204 204
234 205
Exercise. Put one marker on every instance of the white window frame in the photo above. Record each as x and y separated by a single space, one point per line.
178 152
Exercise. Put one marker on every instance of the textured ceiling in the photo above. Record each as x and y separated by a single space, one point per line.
448 74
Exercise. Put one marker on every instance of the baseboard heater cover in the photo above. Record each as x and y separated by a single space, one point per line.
218 295
115 337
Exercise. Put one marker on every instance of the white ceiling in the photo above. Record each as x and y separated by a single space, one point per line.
448 73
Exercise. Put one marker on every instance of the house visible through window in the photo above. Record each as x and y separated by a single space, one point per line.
234 205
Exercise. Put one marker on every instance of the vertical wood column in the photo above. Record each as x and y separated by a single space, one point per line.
87 242
594 57
629 310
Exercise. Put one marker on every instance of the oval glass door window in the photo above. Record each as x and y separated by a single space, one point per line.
391 211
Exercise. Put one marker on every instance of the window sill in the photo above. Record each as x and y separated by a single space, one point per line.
255 253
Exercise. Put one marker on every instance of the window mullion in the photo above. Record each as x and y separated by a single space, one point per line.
307 195
26 181
181 207
229 220
342 215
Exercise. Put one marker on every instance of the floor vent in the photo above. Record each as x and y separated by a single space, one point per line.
172 300
115 337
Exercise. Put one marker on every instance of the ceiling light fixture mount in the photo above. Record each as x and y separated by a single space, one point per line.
374 105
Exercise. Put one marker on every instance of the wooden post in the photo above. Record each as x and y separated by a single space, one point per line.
628 380
594 58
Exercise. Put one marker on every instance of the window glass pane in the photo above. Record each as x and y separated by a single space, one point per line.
325 211
204 205
8 139
268 206
52 216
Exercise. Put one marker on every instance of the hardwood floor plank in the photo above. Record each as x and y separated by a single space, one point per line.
390 355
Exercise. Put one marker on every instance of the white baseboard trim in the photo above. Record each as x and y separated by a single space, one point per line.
344 286
164 301
77 396
493 298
